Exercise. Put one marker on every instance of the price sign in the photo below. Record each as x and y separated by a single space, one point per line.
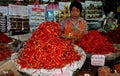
86 74
97 60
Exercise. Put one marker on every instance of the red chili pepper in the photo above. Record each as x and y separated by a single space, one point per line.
46 50
4 38
5 52
93 42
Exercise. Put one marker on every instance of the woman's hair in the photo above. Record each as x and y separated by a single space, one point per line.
77 4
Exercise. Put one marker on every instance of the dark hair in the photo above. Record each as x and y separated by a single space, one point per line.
77 4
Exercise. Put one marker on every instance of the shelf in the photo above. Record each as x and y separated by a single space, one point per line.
93 13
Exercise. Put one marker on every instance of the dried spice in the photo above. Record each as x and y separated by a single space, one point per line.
5 52
94 43
45 49
4 38
104 71
117 68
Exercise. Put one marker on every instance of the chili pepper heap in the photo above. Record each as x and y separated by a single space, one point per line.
5 52
45 49
94 43
4 38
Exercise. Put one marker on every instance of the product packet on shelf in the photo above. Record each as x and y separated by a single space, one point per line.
3 18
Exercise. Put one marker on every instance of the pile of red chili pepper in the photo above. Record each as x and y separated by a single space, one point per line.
113 35
45 49
94 43
4 38
5 52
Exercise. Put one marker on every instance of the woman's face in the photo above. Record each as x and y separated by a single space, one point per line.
75 12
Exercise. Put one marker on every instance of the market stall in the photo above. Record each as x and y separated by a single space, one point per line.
31 41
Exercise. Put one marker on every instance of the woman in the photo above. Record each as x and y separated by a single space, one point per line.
74 26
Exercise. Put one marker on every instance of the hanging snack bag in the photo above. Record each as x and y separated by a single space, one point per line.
3 18
64 10
49 15
36 15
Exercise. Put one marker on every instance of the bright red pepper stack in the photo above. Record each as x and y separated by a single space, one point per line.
45 49
94 43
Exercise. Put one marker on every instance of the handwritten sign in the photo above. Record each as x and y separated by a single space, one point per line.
86 74
97 60
36 15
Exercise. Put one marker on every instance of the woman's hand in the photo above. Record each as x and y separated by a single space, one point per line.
76 36
73 37
67 36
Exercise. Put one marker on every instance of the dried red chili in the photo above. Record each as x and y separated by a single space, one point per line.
93 42
4 38
5 52
46 50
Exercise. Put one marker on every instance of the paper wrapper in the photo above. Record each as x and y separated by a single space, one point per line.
65 71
